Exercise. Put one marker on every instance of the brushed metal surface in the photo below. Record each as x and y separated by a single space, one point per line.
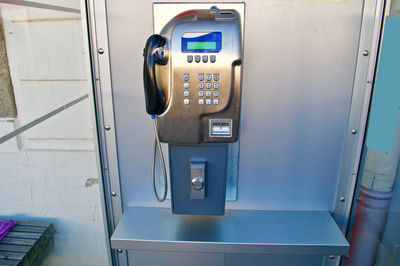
299 65
189 123
238 231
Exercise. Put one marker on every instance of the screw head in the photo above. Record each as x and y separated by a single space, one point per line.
365 53
107 127
342 199
113 193
331 257
354 131
119 250
100 51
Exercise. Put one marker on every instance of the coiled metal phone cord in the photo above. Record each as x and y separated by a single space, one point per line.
157 145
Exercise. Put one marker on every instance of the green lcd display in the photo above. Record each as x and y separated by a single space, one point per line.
201 45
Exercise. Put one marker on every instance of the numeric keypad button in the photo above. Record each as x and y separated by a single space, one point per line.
208 77
212 58
216 77
215 101
185 77
216 85
208 85
201 77
215 93
189 58
185 101
208 101
205 58
186 85
208 93
186 93
201 101
197 58
201 85
201 93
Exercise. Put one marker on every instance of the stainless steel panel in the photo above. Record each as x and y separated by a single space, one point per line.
248 232
365 70
157 258
298 70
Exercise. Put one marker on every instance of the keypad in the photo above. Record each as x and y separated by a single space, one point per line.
208 80
203 58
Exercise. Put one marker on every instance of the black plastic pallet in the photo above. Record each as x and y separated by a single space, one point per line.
27 243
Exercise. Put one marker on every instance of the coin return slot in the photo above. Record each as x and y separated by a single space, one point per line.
221 128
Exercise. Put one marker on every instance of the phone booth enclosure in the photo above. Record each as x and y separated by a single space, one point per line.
299 63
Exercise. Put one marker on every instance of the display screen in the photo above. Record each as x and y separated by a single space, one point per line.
201 42
201 45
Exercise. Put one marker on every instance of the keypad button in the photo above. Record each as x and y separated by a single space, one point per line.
201 93
215 93
185 77
186 101
216 85
201 85
189 58
215 101
205 58
201 101
208 77
212 58
208 101
216 77
208 85
186 85
197 58
208 93
186 93
201 77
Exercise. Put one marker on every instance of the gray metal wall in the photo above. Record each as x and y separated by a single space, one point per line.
299 65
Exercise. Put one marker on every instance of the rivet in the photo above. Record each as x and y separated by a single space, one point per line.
107 127
331 257
342 199
365 53
354 131
119 250
100 51
113 194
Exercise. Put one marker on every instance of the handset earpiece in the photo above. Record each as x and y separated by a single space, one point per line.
153 54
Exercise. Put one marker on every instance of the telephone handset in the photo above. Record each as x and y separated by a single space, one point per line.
155 100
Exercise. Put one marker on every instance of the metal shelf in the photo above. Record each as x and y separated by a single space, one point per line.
238 231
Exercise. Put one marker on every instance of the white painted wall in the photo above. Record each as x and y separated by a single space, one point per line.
50 171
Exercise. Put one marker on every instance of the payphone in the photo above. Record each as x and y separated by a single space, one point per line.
192 83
